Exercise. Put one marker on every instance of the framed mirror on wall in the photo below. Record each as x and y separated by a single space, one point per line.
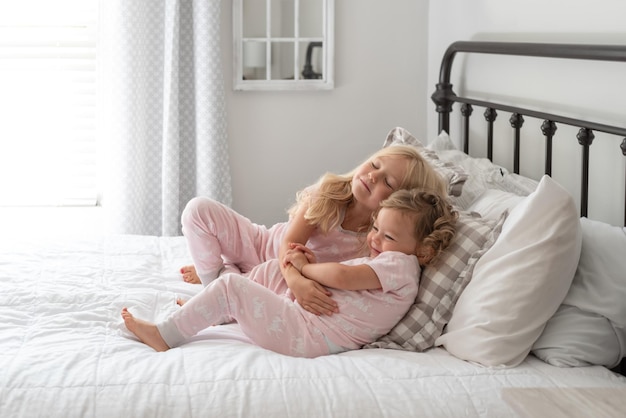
283 44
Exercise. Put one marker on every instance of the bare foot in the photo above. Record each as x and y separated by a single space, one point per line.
180 301
148 333
190 275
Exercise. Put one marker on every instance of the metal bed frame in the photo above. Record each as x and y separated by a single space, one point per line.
444 97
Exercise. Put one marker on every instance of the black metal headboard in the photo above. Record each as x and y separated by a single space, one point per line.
444 97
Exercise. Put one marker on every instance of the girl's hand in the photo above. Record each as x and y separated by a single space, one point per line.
296 252
305 250
296 258
287 258
314 297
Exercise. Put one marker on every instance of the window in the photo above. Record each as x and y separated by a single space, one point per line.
48 102
283 44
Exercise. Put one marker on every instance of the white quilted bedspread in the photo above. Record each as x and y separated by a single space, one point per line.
64 351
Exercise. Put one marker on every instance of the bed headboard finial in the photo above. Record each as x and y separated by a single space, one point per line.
443 98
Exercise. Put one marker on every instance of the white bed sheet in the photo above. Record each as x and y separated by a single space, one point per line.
64 351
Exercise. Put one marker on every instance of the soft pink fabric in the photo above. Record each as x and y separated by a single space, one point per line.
217 235
366 315
273 321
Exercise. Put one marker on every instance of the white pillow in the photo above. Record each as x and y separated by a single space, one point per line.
600 282
598 294
518 184
441 143
482 173
519 283
577 338
492 203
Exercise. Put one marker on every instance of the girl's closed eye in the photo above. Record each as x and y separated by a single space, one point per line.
388 182
385 236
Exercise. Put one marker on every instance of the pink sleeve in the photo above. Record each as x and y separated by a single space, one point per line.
396 270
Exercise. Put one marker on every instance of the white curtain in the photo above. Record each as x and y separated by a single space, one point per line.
164 112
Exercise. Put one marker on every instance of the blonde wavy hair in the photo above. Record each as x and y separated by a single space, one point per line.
333 192
433 217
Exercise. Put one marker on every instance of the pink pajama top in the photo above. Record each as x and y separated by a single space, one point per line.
336 245
366 315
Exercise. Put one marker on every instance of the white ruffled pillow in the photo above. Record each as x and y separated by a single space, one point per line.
519 283
492 203
482 173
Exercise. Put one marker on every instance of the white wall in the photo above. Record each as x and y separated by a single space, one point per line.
282 141
387 56
588 91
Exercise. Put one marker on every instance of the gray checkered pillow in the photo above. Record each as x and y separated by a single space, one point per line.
441 283
454 174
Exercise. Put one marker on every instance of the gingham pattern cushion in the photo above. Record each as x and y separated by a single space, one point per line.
441 283
455 175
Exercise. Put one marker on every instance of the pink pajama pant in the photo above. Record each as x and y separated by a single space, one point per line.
259 304
217 235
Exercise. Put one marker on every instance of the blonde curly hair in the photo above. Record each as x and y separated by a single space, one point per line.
333 192
433 216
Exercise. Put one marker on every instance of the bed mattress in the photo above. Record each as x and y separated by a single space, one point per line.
64 351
